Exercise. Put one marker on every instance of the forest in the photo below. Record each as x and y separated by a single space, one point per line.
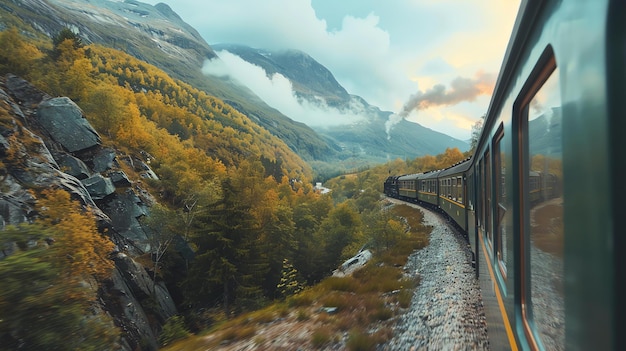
232 192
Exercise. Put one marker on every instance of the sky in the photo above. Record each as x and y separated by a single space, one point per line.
434 62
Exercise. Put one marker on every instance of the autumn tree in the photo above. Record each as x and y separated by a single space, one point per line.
48 293
276 229
17 55
386 230
105 108
449 157
290 282
40 309
78 244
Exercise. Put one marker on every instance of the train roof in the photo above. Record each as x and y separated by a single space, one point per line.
431 174
409 176
526 15
459 167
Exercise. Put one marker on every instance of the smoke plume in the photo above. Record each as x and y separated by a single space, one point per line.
462 89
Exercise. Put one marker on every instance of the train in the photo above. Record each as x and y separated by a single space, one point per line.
540 198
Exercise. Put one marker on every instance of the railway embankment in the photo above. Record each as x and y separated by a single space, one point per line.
446 310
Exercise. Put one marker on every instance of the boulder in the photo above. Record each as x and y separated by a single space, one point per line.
99 187
24 92
142 286
73 166
103 159
66 124
130 315
120 179
124 211
147 173
4 146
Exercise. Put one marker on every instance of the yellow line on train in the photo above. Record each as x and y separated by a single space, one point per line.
505 318
452 201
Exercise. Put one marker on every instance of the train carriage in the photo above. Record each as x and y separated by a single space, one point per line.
542 189
429 189
546 133
453 193
407 187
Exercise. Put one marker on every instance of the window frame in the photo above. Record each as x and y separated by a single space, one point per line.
542 71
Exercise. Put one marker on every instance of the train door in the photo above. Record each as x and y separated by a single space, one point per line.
541 236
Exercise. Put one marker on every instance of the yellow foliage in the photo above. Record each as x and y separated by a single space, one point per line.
17 56
78 245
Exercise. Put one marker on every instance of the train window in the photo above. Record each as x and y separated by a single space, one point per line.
453 195
479 198
487 196
542 216
500 223
459 189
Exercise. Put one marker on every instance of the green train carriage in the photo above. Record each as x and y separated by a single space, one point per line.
542 193
545 180
453 193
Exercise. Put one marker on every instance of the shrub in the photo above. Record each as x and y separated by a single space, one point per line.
174 329
321 336
358 341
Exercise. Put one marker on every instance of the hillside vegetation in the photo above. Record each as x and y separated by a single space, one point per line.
235 195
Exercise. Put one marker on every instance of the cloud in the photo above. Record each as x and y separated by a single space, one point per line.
277 91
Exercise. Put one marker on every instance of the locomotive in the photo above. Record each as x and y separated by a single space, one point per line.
539 199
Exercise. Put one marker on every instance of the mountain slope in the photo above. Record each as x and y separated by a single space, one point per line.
157 35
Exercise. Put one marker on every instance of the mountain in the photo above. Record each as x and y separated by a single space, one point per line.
368 139
157 35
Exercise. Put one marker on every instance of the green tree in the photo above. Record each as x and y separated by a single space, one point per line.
65 34
224 237
162 227
342 228
289 283
476 130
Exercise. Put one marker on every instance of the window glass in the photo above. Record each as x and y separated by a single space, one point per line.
500 228
479 196
459 182
543 218
488 208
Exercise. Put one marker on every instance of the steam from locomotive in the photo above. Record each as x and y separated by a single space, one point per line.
462 89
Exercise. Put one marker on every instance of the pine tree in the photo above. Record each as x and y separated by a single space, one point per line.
225 240
289 280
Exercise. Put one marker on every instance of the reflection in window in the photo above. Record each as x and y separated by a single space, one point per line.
488 208
544 217
500 229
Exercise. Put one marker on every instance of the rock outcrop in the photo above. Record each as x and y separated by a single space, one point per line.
47 142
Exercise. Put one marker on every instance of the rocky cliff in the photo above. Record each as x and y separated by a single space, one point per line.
46 142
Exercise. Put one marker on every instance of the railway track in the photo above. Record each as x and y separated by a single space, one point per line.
446 311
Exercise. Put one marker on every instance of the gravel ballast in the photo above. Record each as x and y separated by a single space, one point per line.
446 311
